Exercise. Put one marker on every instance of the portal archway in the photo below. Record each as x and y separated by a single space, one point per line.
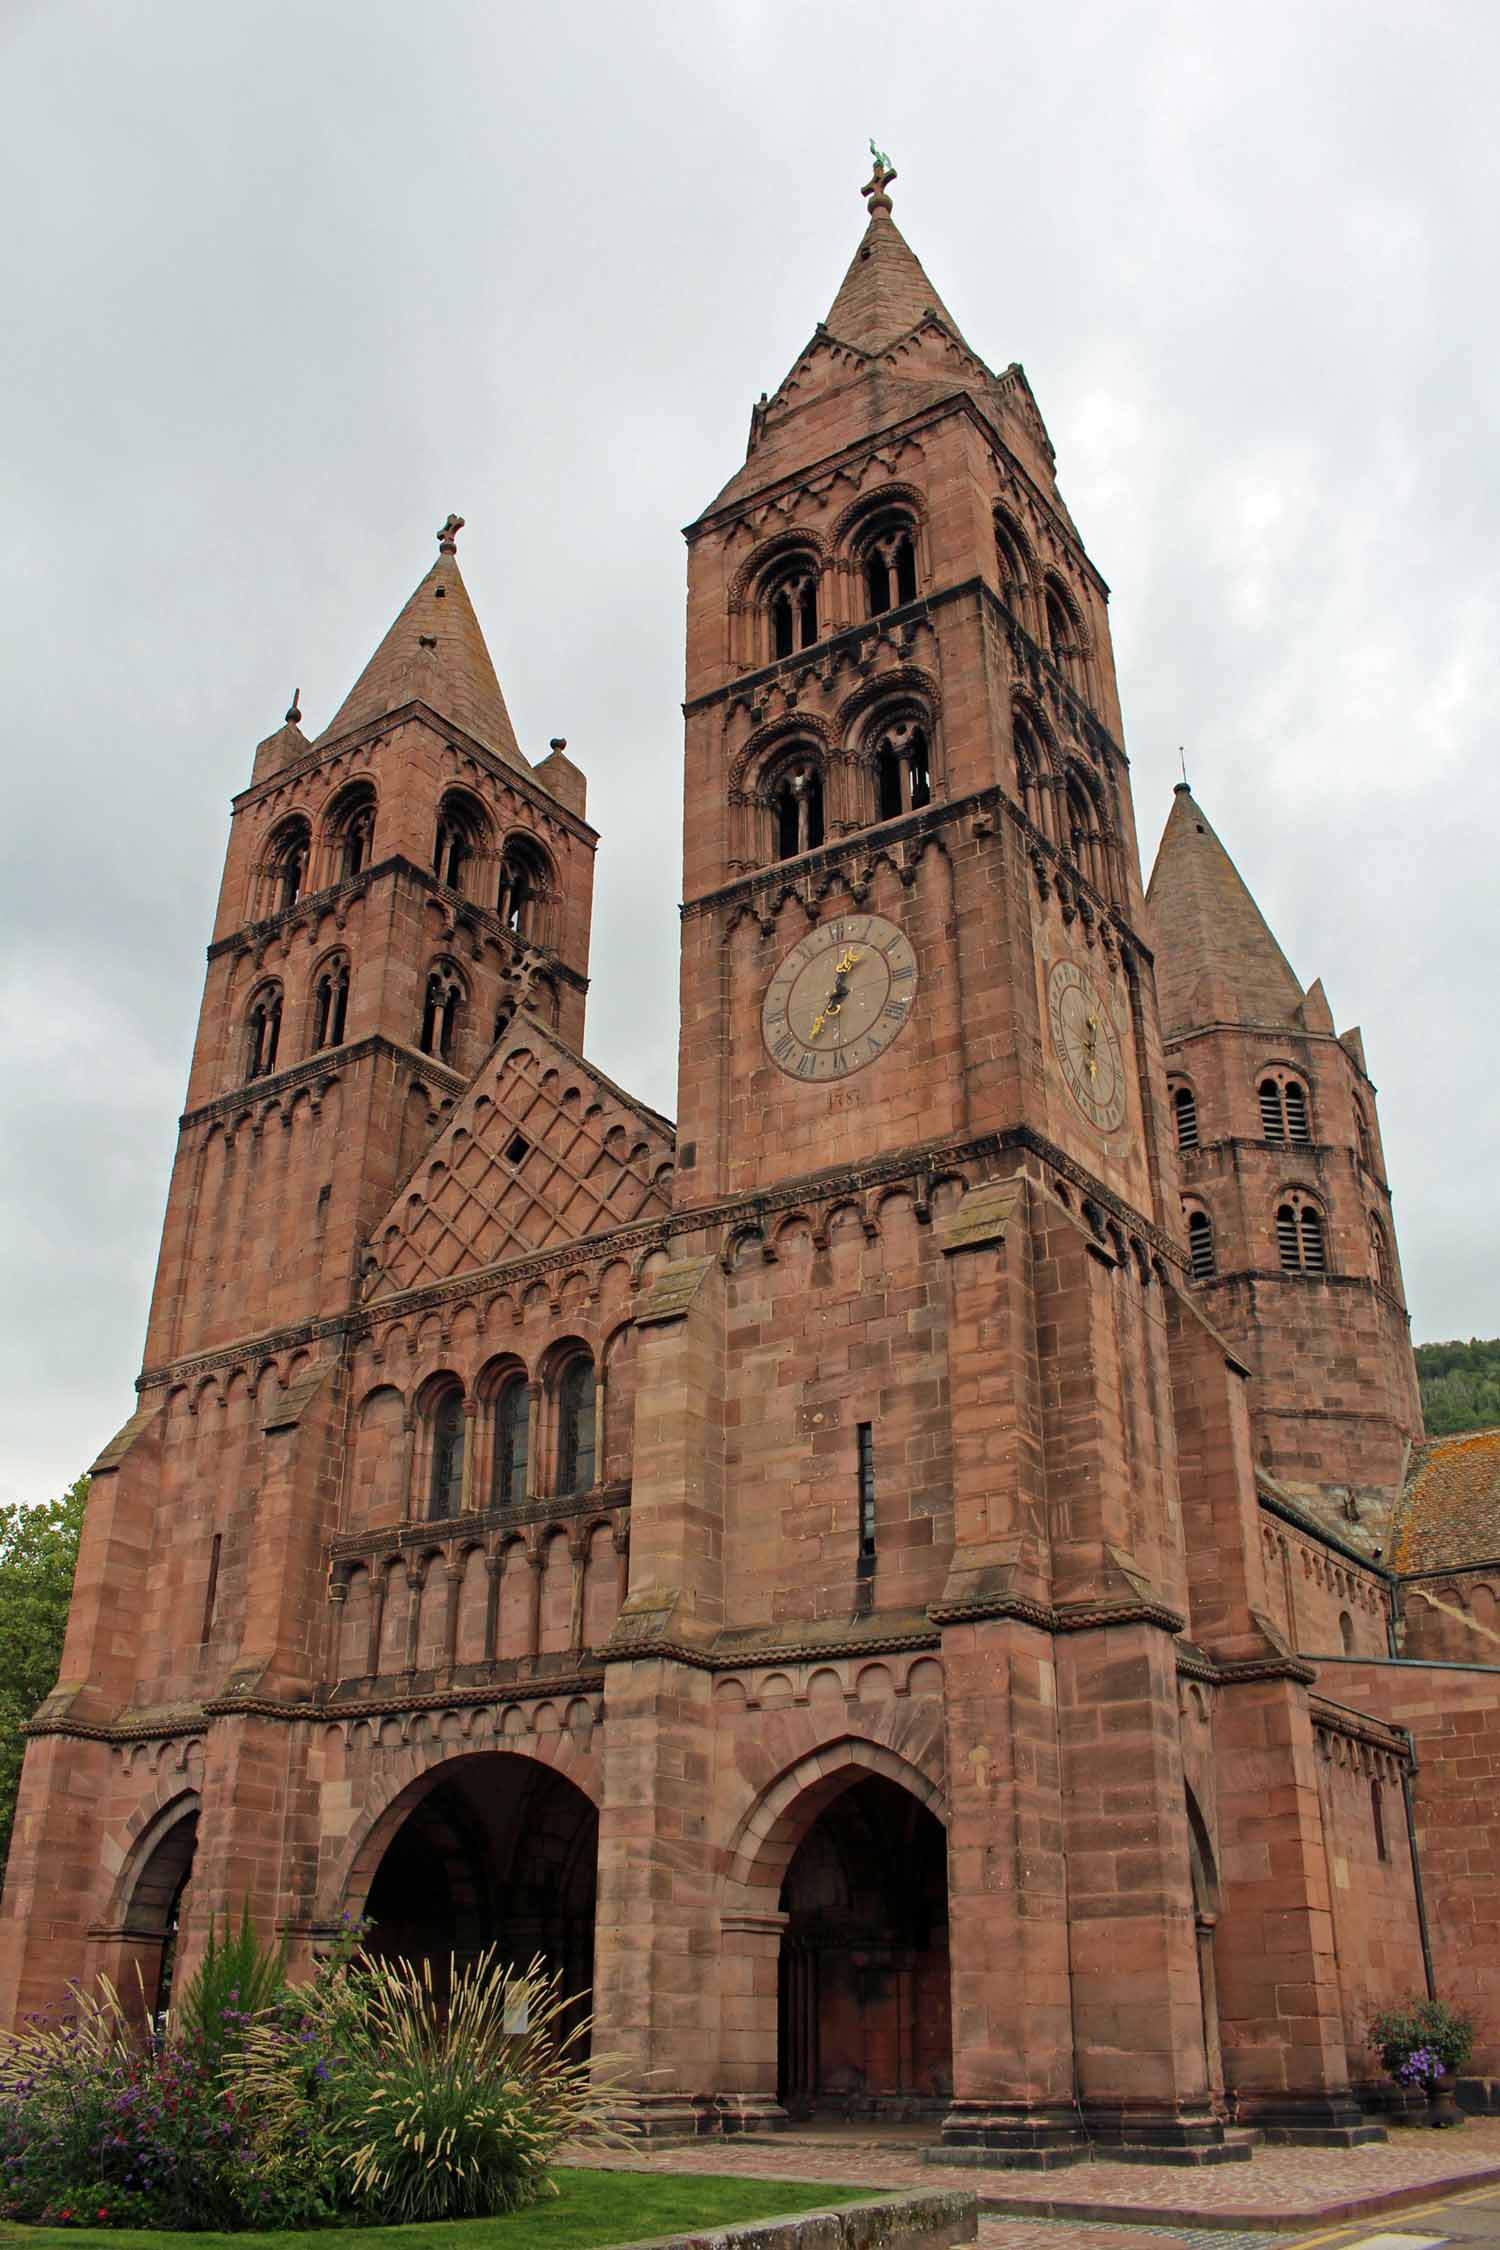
863 2009
154 1896
492 1849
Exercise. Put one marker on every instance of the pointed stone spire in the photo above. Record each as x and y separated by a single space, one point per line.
885 292
1216 960
435 654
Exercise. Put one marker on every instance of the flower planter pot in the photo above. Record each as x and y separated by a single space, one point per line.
1442 2101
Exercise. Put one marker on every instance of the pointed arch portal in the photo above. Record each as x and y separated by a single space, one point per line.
493 1849
863 2011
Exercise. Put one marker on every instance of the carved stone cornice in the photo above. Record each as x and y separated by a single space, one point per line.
394 1539
316 1070
917 1165
372 730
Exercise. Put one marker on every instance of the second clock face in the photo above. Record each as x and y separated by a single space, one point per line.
839 997
1087 1046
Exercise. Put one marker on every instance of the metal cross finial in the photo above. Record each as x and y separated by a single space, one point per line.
880 179
1182 760
447 538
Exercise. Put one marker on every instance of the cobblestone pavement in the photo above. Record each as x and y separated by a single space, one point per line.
1231 2205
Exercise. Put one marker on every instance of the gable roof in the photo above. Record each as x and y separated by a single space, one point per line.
541 1151
1216 960
435 653
1449 1511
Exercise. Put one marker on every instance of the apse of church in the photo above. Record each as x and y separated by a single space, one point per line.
800 1567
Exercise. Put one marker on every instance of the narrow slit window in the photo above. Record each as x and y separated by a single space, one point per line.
866 1438
211 1591
1377 1816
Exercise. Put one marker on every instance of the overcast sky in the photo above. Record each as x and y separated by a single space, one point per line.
285 283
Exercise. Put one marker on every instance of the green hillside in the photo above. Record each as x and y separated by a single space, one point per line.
1460 1385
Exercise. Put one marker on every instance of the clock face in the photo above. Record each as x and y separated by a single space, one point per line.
839 997
1088 1046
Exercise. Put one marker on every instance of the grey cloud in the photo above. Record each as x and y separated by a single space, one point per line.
286 284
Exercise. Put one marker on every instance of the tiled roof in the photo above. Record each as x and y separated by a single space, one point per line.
435 654
1216 959
1449 1512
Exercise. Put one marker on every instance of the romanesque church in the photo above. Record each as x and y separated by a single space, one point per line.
917 1585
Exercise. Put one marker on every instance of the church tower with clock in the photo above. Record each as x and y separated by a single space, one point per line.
800 1570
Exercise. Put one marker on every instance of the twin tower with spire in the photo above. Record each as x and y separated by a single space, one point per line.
756 1559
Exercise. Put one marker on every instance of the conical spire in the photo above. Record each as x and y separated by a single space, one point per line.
1216 960
885 292
435 654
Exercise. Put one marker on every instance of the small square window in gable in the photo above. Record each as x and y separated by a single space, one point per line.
517 1148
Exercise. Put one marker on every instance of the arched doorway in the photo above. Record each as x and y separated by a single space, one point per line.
488 1850
864 2020
155 1904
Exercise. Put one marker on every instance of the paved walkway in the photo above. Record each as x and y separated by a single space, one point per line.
1112 2206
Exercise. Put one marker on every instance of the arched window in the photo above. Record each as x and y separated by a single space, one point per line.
512 1442
524 886
1083 840
903 772
1030 764
575 1427
1300 1242
286 867
1272 1112
330 1004
446 1485
1362 1138
263 1032
351 830
460 837
1062 634
797 808
1296 1112
1010 560
1201 1262
440 1012
1346 1632
792 607
1380 1253
1185 1113
888 561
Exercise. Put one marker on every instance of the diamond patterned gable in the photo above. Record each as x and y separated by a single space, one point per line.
541 1150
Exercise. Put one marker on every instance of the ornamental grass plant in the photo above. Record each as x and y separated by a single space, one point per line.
435 2100
372 2094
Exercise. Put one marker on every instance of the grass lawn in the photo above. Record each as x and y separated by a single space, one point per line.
589 2209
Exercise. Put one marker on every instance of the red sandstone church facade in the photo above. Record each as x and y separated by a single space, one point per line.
878 1580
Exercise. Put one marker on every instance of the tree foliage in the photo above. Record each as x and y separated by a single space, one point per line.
38 1551
1460 1385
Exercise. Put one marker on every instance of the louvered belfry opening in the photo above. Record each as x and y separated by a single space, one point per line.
1313 1258
1296 1112
1272 1114
1201 1246
1185 1108
1288 1243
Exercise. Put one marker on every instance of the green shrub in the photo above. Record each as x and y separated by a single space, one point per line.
1418 2038
237 1980
103 2124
